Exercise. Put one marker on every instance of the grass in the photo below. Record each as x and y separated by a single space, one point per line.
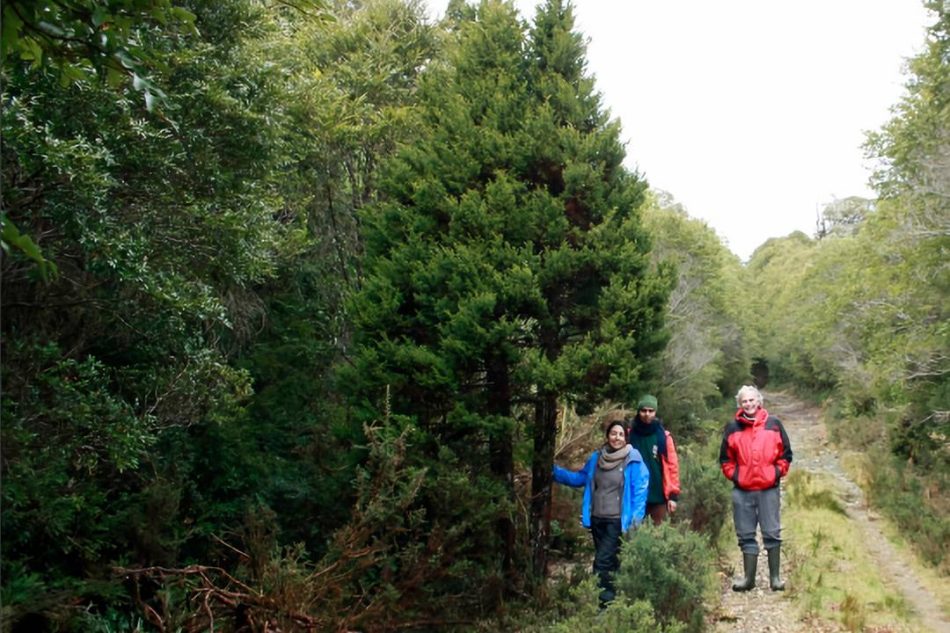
833 576
856 464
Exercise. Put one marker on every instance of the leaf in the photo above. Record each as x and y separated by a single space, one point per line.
182 15
10 31
10 236
114 77
100 16
51 29
125 59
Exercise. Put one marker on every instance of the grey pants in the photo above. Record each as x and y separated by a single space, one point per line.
757 507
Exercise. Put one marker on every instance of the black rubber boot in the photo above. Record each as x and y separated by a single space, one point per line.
775 558
749 562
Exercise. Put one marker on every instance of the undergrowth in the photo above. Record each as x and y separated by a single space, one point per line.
833 576
916 499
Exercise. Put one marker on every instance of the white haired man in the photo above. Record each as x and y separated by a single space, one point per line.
755 454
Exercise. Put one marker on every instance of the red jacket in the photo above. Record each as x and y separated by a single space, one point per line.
671 470
755 455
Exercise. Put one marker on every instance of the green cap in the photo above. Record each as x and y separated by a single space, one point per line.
648 402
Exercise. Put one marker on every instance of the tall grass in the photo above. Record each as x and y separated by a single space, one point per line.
833 575
918 500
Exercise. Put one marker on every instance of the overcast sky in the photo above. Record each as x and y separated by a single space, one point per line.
751 113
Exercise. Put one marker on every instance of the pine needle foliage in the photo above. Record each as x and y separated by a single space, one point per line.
506 270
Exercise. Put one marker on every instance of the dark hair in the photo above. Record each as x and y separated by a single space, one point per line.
611 425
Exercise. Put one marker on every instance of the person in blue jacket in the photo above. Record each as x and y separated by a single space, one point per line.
615 482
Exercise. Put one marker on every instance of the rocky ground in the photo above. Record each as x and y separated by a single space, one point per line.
765 610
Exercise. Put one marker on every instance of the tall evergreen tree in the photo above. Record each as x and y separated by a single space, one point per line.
433 327
507 273
599 311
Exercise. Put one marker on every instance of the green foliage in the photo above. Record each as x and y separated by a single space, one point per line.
670 567
392 562
788 310
14 242
911 147
353 84
505 264
705 505
629 616
91 38
843 217
58 495
706 355
117 369
916 503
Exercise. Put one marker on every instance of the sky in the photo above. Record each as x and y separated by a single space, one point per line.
751 113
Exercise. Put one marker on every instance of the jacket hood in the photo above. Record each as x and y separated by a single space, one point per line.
760 417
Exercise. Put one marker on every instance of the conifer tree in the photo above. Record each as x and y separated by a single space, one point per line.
600 310
507 273
433 328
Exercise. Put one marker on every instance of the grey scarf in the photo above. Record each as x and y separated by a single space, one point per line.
609 461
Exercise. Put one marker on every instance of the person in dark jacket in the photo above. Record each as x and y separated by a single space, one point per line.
755 454
645 433
615 482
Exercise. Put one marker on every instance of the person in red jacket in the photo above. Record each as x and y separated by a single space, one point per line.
755 454
645 433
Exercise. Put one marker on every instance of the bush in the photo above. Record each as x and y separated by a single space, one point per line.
705 504
578 611
673 569
901 494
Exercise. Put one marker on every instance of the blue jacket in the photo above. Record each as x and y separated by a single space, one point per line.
636 479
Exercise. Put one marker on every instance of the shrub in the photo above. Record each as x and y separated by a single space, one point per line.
901 494
583 615
673 569
705 504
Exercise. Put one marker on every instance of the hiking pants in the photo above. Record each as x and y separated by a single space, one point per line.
757 507
606 533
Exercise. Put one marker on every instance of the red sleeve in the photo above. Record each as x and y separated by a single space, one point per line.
671 470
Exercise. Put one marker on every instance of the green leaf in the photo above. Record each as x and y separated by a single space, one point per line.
125 59
51 29
182 15
11 238
100 16
10 31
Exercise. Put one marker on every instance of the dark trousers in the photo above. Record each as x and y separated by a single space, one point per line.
606 533
657 512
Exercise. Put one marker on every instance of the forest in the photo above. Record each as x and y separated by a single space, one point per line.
302 299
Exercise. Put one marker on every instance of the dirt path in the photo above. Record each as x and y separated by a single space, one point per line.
764 610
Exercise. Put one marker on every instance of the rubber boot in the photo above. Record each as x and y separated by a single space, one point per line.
775 557
749 562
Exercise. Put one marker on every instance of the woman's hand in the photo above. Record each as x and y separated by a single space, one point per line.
671 506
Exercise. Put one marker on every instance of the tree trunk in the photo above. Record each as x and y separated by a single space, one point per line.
545 435
502 461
